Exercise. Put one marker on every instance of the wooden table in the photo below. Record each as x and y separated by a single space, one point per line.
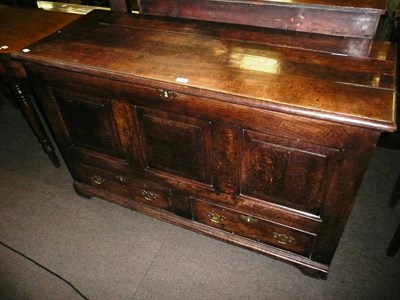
21 27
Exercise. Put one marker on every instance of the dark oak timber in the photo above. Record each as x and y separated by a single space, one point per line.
257 137
352 18
20 27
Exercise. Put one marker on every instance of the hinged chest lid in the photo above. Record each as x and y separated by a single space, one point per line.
343 80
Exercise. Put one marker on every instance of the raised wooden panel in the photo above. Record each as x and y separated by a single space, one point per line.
89 122
176 144
285 171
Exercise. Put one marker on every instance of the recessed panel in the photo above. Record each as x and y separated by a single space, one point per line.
89 122
285 171
176 144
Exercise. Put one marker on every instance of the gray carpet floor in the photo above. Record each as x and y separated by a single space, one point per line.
109 252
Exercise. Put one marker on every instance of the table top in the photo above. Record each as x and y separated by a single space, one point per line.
22 26
338 79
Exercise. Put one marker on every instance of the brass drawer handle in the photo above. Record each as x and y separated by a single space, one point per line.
123 180
216 218
149 196
282 238
248 219
97 179
166 95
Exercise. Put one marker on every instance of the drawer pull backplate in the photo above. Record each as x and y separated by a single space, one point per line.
149 196
216 218
248 219
97 179
282 238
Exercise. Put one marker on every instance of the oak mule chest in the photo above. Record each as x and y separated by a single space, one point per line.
257 137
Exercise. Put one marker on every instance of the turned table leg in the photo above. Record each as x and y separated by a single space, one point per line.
32 117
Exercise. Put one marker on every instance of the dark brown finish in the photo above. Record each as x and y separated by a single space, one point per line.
259 138
286 171
343 18
24 26
252 227
146 192
19 28
182 141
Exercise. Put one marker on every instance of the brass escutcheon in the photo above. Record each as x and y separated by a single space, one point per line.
282 238
248 219
216 218
149 196
166 95
97 179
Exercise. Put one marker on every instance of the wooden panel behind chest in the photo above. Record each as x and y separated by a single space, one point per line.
344 18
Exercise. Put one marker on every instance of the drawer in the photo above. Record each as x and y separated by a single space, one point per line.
148 193
251 227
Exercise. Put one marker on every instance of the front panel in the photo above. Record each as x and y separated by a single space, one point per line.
89 122
286 171
177 145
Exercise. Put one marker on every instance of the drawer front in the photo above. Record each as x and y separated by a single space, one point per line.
251 227
148 193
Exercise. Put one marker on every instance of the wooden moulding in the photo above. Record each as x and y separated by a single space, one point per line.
339 18
306 266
